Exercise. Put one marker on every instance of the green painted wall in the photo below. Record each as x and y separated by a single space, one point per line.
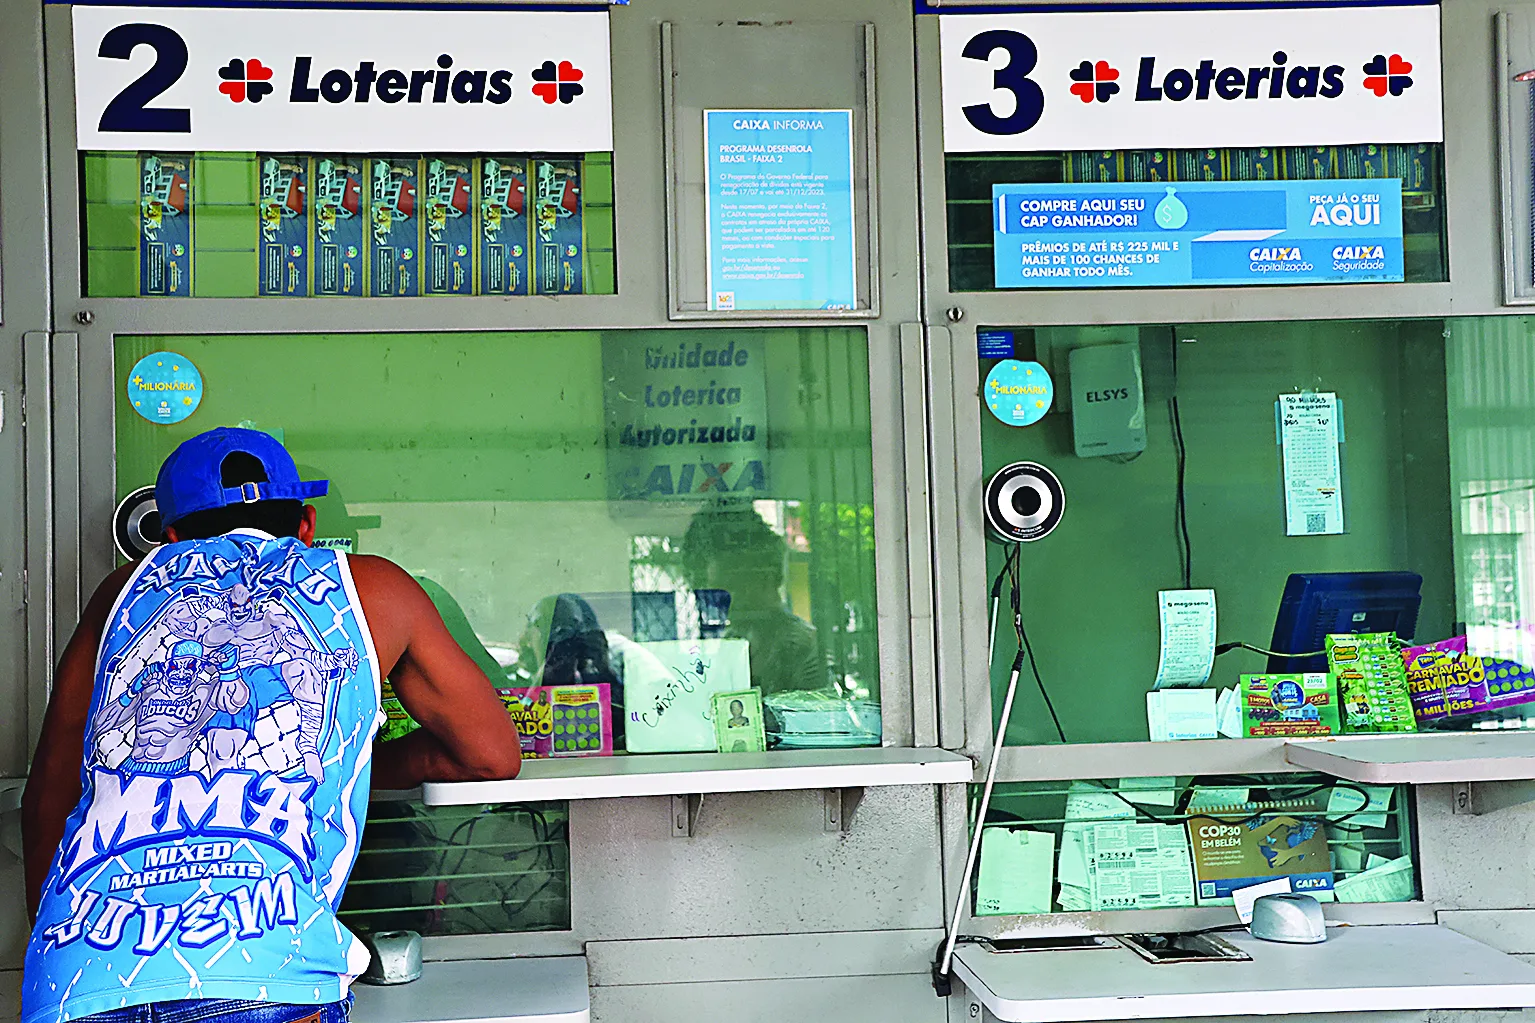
481 460
1090 604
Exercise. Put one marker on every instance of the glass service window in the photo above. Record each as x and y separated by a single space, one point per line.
1436 422
295 225
1165 843
671 513
969 178
461 870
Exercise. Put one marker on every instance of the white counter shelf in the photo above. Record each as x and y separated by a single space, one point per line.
1358 969
688 774
533 990
1424 758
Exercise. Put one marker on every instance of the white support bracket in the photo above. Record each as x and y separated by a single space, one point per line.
684 811
1479 797
841 805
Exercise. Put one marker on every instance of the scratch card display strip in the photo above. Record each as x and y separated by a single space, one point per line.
340 225
559 228
504 247
284 220
450 225
394 251
165 224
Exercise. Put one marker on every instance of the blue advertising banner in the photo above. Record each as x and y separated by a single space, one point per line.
780 209
1198 233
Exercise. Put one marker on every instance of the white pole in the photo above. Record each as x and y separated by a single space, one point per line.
980 818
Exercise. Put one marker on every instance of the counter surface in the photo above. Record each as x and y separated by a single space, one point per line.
1424 758
541 990
1358 969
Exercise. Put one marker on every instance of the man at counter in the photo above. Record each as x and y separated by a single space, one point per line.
732 549
198 793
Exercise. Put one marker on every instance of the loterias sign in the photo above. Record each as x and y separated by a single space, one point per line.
1194 78
328 80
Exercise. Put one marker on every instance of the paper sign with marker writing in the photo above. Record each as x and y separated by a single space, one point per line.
1188 638
1309 435
1017 872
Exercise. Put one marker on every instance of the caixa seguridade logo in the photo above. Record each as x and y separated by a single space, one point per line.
1284 78
250 79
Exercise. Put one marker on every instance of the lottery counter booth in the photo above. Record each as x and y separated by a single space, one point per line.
946 435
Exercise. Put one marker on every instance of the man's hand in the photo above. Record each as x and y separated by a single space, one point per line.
466 734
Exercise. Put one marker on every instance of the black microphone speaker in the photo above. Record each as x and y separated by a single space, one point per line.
1023 502
136 524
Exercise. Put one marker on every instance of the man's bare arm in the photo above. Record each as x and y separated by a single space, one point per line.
466 734
53 784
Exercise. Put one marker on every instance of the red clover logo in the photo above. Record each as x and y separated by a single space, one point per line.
1095 81
245 80
557 84
1382 75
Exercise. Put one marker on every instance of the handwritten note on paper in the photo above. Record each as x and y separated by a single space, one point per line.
1188 638
1017 871
1309 435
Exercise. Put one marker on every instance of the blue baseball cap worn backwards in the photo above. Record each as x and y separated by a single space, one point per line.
191 478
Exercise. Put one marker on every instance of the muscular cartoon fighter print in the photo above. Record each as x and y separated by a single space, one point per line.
225 675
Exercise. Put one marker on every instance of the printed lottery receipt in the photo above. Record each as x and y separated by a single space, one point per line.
1170 213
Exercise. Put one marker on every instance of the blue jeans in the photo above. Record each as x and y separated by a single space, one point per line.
224 1010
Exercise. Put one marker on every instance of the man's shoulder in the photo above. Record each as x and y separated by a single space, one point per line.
377 577
373 567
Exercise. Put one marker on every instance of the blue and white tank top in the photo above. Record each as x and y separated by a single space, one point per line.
226 771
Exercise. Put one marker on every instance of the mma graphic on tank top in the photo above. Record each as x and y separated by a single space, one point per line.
226 779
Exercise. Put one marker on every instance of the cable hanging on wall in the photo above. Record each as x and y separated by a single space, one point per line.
1181 456
1023 502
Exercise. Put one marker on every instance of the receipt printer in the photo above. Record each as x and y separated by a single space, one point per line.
1108 408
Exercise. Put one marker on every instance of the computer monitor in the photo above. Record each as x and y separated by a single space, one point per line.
1317 604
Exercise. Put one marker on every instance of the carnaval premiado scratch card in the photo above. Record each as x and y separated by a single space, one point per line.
449 226
340 226
504 225
165 224
284 213
394 252
559 233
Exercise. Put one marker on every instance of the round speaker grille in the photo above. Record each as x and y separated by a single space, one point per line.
1023 502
